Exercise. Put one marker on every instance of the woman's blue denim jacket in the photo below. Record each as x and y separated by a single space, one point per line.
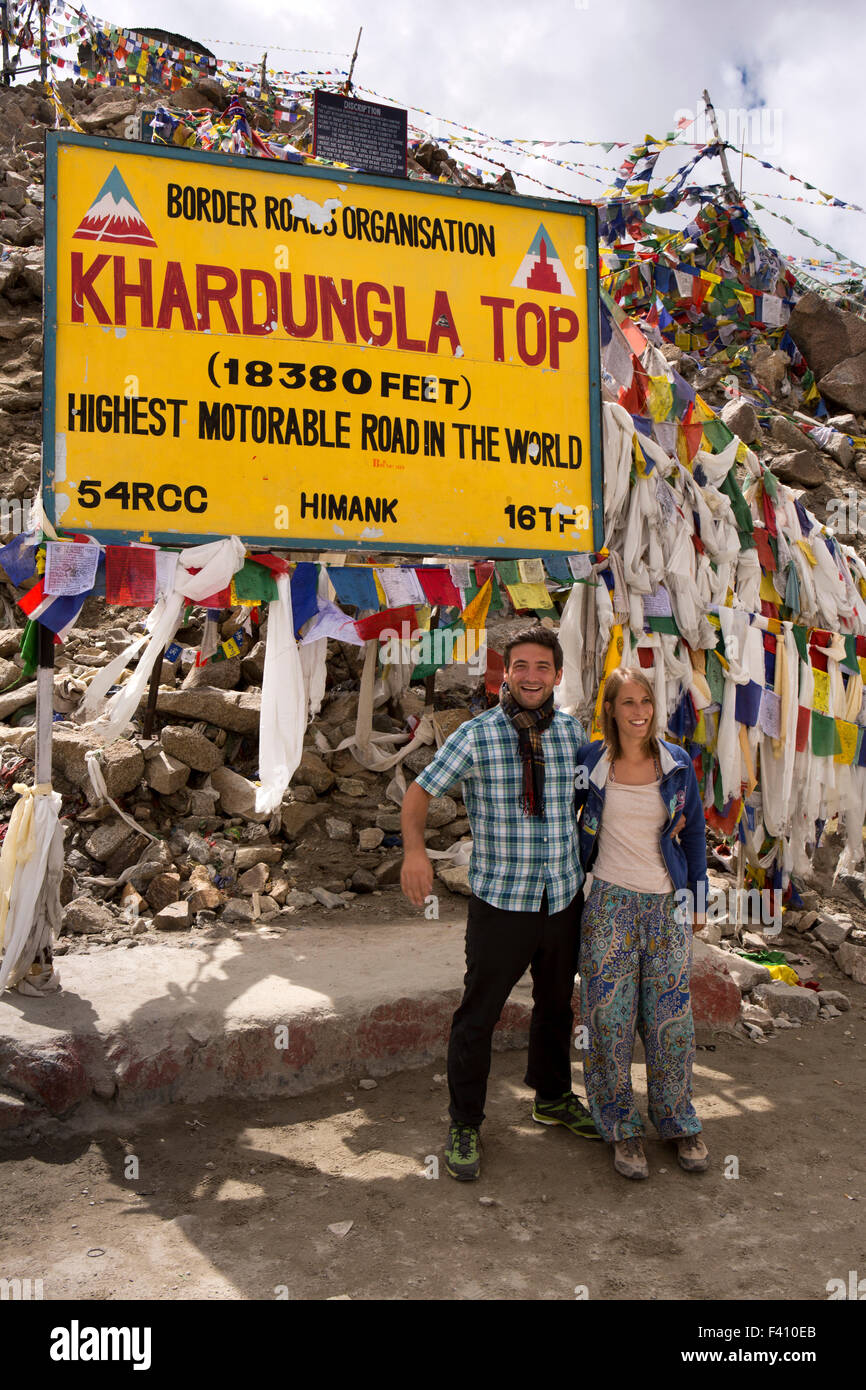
686 855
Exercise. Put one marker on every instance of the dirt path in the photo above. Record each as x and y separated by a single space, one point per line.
234 1200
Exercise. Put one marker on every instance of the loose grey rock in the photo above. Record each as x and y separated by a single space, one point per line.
340 830
352 786
455 878
85 916
795 1002
248 855
832 932
165 774
191 747
173 917
313 772
296 898
238 910
253 880
800 469
109 837
326 898
237 795
163 890
786 432
295 818
363 881
851 959
239 711
441 811
370 837
835 997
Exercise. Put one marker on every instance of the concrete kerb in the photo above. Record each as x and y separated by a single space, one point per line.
140 1028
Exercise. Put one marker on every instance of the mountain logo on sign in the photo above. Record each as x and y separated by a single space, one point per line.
541 268
113 216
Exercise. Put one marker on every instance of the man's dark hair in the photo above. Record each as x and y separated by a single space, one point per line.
540 637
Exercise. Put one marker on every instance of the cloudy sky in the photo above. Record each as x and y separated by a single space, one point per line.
568 70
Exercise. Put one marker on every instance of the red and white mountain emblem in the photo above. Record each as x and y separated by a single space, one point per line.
113 216
541 268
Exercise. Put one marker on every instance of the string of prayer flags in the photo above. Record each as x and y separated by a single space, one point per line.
130 575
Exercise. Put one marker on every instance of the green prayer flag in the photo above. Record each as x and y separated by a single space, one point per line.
255 582
851 653
825 739
666 625
715 678
29 647
801 637
508 572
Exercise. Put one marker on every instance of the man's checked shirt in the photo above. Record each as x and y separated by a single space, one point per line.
514 857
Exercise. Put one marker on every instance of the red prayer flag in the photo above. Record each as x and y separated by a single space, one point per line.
130 575
438 586
495 672
391 620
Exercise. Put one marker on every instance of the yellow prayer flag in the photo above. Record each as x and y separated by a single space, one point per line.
529 596
767 592
703 411
660 397
747 300
474 615
807 551
821 693
848 739
611 661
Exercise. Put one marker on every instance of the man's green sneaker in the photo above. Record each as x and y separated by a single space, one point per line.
567 1111
462 1153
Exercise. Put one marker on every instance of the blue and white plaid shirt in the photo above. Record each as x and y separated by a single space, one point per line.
514 857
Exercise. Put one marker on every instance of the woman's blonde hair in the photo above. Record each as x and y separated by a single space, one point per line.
612 686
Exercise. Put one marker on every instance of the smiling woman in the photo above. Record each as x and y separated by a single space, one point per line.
636 948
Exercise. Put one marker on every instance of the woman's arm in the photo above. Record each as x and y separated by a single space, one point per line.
693 839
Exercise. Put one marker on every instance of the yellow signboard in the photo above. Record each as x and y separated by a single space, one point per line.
315 358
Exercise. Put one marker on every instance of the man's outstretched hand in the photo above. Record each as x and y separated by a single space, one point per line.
416 876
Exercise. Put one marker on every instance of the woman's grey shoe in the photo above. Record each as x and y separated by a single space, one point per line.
692 1153
630 1159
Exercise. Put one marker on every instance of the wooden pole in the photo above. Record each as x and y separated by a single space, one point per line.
44 703
264 81
729 183
7 76
152 692
348 87
43 46
430 682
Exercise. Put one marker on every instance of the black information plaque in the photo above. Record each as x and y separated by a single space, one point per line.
361 133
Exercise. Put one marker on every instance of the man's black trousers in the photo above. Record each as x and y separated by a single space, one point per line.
499 947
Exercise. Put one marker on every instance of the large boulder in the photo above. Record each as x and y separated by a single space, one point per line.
824 334
237 794
191 747
800 469
121 762
238 711
715 996
742 420
846 383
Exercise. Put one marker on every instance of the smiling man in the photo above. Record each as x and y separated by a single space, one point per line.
517 766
